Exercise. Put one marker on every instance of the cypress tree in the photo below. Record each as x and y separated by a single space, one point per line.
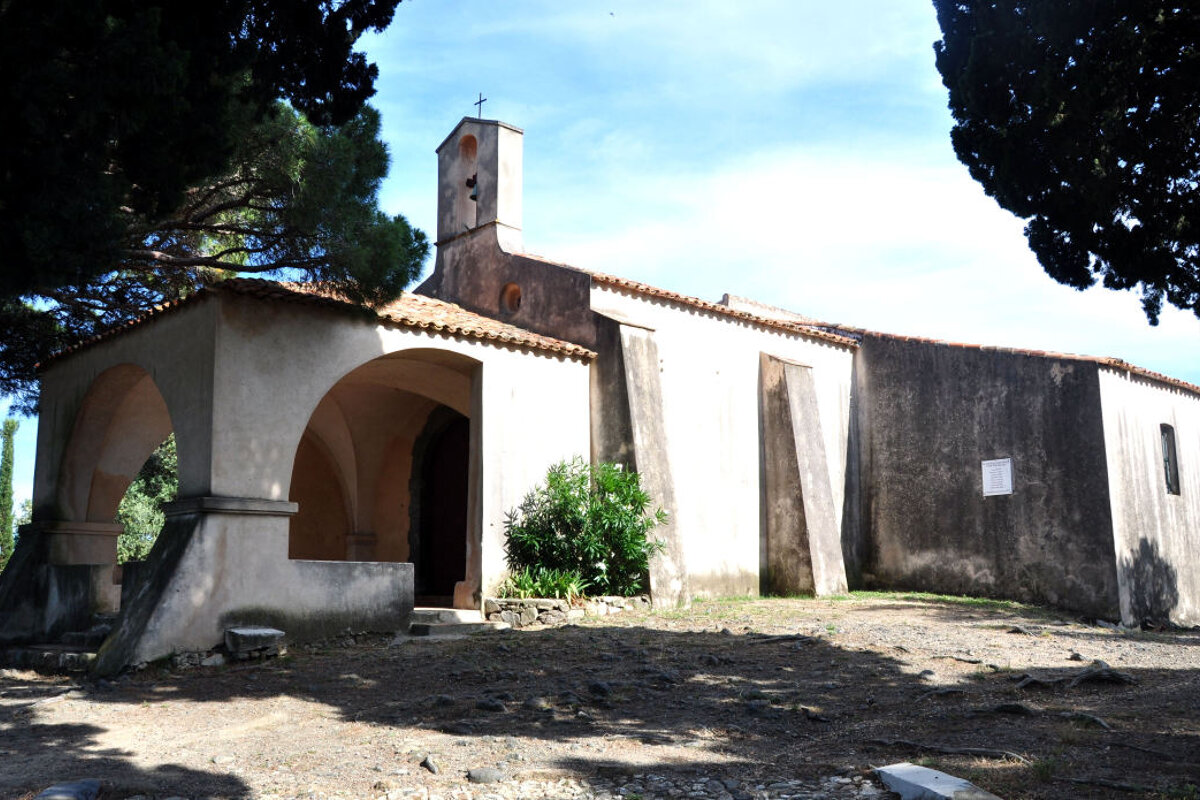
6 490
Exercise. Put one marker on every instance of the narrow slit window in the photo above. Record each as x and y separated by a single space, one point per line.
1170 459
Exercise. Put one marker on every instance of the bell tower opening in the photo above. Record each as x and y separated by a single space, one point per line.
479 181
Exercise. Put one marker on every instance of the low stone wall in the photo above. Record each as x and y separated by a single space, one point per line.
520 613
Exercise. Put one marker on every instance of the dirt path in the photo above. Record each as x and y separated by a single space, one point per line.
728 700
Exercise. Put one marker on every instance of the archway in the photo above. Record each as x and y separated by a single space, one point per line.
383 470
121 420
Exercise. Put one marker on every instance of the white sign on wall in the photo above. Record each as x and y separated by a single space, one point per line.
997 477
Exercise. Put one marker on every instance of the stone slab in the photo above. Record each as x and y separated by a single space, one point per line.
921 783
454 628
248 638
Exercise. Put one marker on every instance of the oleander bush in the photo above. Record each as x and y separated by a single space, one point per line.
587 524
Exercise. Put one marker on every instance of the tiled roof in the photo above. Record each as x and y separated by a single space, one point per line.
636 287
1104 361
409 311
645 289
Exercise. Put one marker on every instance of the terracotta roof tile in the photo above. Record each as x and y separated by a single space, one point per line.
409 310
790 326
645 289
1104 361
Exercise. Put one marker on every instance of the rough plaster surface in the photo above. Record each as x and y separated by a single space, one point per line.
931 413
668 570
1156 534
219 569
708 370
803 542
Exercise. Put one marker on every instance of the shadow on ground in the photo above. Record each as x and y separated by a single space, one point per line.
756 705
33 753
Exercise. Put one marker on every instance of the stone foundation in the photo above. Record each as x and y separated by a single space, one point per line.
520 613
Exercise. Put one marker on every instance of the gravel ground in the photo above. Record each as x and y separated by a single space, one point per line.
729 700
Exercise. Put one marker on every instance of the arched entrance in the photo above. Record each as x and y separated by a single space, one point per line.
438 537
383 470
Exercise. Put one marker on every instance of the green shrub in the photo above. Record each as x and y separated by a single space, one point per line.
587 521
542 582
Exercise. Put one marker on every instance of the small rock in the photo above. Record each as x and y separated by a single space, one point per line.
215 660
484 775
489 704
76 790
1074 656
600 688
537 704
431 765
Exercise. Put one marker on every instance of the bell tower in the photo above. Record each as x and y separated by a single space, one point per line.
479 181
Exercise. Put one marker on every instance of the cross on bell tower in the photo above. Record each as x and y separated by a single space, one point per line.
479 104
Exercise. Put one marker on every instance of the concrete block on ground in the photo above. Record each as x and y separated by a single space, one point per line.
75 790
921 783
248 639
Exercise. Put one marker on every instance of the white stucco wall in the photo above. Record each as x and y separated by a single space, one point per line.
275 363
1155 532
177 351
710 384
534 412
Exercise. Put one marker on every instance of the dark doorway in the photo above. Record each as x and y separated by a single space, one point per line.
440 544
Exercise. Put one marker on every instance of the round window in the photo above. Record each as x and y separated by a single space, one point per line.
510 298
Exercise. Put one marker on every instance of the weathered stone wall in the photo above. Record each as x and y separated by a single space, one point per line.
929 414
1157 533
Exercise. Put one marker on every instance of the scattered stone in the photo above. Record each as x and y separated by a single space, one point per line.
490 704
214 660
75 790
537 704
484 775
600 688
431 765
1074 656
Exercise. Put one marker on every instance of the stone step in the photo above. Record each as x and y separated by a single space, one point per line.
52 658
92 638
433 616
435 629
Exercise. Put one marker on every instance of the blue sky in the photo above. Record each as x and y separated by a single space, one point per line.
792 151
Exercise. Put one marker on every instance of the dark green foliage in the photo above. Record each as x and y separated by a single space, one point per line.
113 105
587 521
1084 119
140 510
6 490
297 198
145 152
543 582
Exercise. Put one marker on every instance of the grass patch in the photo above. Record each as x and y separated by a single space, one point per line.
988 603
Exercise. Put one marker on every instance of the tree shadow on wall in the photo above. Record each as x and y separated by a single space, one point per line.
1152 585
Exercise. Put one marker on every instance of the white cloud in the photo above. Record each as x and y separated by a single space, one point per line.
897 243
